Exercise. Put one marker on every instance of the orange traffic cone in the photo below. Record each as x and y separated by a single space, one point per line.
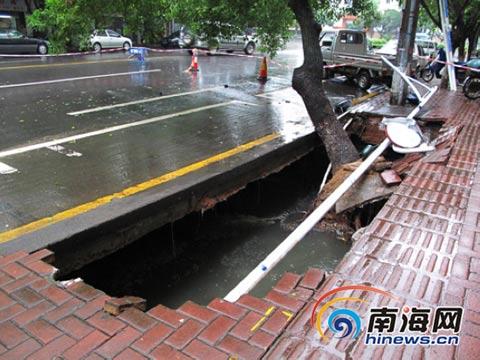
263 72
194 65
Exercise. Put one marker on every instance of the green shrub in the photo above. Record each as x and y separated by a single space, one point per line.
377 43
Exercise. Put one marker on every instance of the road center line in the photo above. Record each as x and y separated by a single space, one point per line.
6 169
83 208
87 62
77 78
111 129
143 101
273 92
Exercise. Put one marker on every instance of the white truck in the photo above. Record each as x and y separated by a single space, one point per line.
349 50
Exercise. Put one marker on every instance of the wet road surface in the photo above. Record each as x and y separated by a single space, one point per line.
84 133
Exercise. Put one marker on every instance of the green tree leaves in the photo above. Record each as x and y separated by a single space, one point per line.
69 23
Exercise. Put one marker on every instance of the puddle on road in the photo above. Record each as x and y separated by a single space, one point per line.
203 256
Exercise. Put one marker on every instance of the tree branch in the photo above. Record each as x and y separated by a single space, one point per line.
430 14
461 11
310 29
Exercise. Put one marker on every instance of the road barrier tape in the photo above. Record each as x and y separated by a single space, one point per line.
156 50
79 53
456 65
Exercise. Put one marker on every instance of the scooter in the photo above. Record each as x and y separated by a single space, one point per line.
427 73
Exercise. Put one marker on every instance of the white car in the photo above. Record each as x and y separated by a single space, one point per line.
390 48
108 39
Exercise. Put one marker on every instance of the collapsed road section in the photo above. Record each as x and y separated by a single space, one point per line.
189 160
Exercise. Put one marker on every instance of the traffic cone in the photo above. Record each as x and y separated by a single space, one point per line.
194 65
263 72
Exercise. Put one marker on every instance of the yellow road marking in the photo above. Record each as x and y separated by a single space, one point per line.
262 320
135 189
19 67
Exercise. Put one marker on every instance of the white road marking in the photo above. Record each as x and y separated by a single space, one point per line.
246 103
77 78
270 93
112 129
6 169
143 101
64 151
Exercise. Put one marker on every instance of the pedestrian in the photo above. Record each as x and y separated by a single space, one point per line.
441 56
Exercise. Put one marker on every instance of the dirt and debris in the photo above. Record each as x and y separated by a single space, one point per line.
348 214
357 207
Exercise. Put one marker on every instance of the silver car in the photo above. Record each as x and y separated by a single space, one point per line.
245 43
109 39
240 42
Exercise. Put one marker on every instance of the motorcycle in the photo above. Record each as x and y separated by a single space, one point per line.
471 86
428 72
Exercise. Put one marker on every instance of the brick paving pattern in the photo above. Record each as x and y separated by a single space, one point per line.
423 247
44 319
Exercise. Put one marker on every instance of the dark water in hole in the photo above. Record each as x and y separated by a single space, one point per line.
204 256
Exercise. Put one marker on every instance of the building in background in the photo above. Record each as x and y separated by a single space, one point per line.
384 5
19 9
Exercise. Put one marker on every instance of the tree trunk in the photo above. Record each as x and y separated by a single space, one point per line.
461 50
307 81
405 47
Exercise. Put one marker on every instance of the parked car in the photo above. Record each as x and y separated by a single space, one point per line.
180 39
184 39
109 39
351 47
14 42
419 55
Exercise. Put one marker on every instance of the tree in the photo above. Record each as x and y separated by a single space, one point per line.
69 23
464 17
367 14
272 18
390 21
144 19
66 24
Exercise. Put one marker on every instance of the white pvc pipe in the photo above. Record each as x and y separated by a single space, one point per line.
262 269
325 177
249 282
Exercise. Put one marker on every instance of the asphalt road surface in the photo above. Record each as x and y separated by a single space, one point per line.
80 133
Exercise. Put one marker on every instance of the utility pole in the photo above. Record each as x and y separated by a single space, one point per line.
446 29
406 44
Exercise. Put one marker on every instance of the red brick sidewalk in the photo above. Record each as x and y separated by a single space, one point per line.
41 319
423 247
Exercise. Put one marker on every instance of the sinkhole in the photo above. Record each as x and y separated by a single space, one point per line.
204 255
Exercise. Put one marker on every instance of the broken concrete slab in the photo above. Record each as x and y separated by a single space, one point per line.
367 190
